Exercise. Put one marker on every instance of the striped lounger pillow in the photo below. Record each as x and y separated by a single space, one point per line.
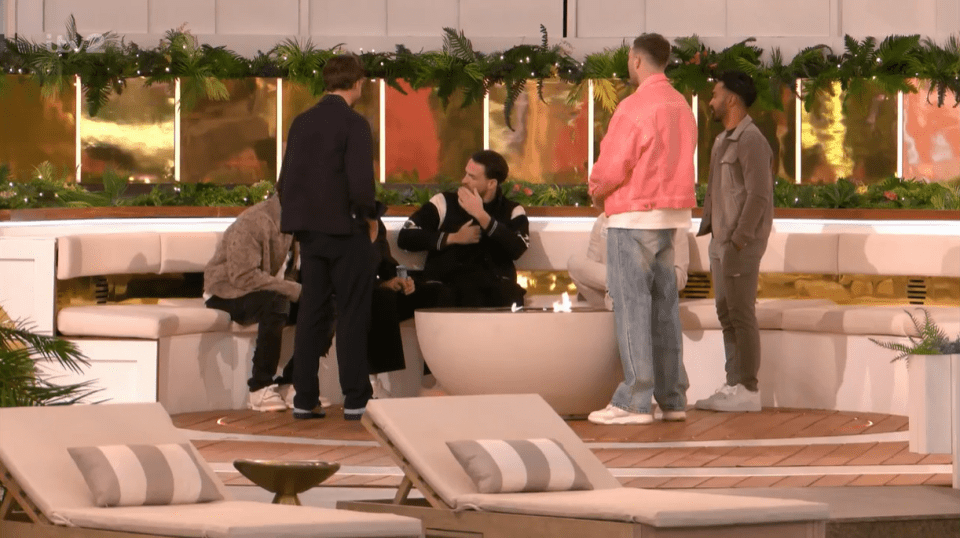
135 475
499 466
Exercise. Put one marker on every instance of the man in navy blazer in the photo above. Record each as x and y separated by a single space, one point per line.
328 204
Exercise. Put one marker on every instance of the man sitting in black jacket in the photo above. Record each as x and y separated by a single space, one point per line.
472 237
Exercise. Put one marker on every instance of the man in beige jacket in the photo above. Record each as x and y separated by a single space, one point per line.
253 277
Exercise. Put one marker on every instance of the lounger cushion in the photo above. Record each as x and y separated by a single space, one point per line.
134 475
510 466
243 519
658 508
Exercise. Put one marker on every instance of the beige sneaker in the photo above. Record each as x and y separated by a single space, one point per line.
673 416
614 415
267 399
287 392
735 399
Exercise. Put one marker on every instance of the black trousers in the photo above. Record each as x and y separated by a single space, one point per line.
272 311
390 308
339 266
478 288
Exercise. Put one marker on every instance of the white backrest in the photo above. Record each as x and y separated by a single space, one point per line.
810 253
34 442
107 254
187 252
896 254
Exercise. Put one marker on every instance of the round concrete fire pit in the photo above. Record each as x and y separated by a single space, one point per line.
570 358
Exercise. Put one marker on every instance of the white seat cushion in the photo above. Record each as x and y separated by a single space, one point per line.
701 314
140 321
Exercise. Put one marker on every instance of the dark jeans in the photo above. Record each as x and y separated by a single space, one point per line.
337 266
272 311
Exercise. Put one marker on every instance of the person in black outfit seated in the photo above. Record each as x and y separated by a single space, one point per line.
395 298
472 236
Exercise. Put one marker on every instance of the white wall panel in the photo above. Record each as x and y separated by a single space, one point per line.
120 16
884 17
357 17
421 17
948 17
200 16
706 18
257 17
609 18
778 18
498 18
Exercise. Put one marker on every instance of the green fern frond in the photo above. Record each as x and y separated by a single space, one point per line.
457 45
929 338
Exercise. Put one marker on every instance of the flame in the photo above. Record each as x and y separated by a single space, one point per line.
563 305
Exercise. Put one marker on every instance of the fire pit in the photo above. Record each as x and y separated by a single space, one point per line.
571 359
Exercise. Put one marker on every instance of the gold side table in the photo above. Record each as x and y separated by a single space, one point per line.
286 478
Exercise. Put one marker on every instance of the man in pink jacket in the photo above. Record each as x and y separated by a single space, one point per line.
644 182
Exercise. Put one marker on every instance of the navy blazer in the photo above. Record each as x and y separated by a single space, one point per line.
327 172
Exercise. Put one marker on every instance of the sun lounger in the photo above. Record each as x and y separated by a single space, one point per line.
416 432
47 496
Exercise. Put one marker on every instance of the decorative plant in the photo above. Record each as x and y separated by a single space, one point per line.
22 381
929 340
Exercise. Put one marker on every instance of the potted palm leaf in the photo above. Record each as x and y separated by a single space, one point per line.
931 377
24 359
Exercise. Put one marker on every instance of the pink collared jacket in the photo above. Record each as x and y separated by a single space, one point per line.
646 157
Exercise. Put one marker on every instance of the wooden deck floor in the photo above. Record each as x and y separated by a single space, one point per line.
773 448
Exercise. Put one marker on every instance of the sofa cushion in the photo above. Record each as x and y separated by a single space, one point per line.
811 253
187 252
135 475
889 320
140 321
895 254
107 254
701 314
509 466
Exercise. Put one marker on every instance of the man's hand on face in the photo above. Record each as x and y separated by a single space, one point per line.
468 234
471 202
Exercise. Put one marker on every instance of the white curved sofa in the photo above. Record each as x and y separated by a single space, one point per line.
816 354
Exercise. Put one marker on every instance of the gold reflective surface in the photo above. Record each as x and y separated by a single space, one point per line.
232 141
36 128
778 126
297 99
424 142
856 140
931 135
846 289
549 140
132 133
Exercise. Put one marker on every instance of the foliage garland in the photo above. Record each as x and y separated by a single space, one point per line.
49 187
889 65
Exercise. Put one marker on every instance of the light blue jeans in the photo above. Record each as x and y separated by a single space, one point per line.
643 286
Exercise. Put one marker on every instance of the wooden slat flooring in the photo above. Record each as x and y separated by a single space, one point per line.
341 444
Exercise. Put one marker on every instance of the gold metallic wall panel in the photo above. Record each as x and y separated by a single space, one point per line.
233 141
425 143
549 140
778 126
856 140
133 133
297 99
34 129
931 136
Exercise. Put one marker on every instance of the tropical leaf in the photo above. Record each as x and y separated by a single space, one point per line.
457 45
605 93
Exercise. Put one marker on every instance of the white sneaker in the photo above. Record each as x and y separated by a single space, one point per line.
267 399
719 394
287 392
614 415
736 399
